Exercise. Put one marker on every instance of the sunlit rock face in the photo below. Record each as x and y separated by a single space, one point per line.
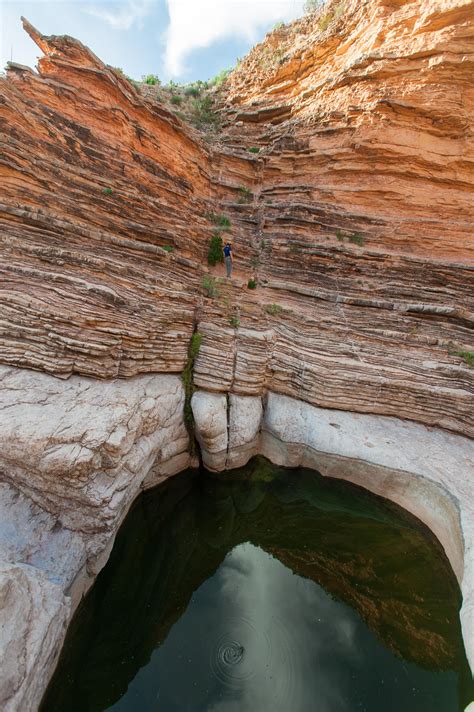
356 222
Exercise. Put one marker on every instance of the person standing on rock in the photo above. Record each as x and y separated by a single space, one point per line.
228 258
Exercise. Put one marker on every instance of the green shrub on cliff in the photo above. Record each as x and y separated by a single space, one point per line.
221 220
312 5
245 194
467 356
192 90
151 80
203 115
334 12
219 78
356 238
209 285
215 254
273 309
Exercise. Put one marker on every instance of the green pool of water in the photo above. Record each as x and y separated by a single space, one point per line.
266 590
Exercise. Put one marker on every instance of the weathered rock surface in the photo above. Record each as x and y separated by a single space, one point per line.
228 432
32 536
245 418
73 456
75 447
33 616
357 225
210 418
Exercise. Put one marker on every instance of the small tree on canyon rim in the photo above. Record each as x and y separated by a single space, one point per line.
312 5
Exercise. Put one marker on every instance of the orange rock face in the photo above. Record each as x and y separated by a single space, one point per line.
95 183
355 216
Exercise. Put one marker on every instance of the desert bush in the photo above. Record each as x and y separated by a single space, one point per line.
192 90
219 78
273 309
357 238
215 254
203 115
223 222
220 220
245 194
209 285
467 356
151 79
312 5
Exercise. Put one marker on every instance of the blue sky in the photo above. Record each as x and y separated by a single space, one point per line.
181 40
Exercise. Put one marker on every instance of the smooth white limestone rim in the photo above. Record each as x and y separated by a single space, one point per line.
427 471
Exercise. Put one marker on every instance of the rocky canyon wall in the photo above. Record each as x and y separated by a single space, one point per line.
355 216
353 211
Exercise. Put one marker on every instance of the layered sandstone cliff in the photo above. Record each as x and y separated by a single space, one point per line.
354 214
356 217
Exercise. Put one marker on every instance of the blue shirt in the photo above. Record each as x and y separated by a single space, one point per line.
227 250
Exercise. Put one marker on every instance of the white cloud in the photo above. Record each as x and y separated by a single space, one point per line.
196 24
130 12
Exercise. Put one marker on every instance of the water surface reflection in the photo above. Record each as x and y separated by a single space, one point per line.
266 589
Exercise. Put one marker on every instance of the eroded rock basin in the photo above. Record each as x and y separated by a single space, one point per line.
262 589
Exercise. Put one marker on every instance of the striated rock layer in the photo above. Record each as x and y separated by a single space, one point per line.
355 216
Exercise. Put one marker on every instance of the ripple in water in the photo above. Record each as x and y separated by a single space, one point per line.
237 652
231 654
255 654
